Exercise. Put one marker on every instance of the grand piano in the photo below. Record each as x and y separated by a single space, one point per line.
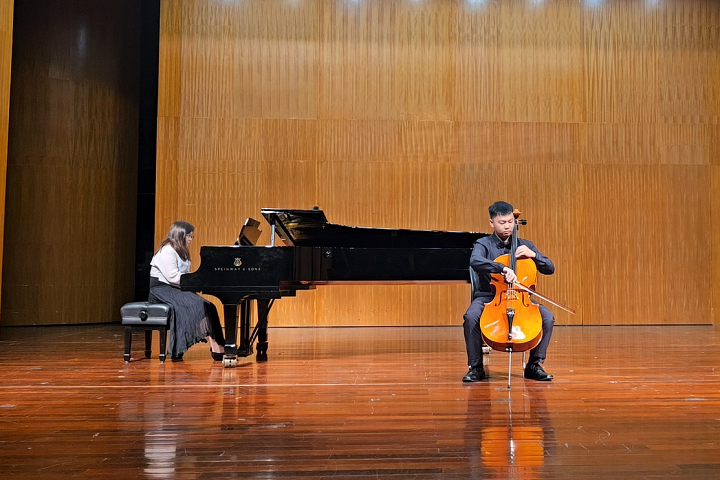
316 252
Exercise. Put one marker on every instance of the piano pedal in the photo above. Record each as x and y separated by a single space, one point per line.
245 351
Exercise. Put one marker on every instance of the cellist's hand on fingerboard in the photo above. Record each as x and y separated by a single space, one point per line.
524 252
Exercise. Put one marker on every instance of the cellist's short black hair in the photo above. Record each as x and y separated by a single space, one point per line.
500 208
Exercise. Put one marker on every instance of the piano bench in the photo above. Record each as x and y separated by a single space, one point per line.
148 317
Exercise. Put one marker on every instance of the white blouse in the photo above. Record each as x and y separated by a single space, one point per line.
167 266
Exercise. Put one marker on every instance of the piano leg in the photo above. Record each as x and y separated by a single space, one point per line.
230 314
246 347
263 308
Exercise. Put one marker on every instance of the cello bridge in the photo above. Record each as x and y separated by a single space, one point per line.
511 295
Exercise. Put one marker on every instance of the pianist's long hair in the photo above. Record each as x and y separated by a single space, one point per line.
176 238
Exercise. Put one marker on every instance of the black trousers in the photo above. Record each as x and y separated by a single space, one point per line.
473 340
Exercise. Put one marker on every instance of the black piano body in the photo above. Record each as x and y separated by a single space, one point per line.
316 252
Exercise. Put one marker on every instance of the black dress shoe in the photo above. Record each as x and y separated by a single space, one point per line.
475 374
218 357
534 371
177 358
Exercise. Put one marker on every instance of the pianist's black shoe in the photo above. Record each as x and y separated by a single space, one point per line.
475 374
218 357
534 371
177 358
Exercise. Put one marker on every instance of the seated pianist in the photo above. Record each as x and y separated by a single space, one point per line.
195 319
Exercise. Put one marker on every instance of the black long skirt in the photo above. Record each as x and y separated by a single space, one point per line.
193 318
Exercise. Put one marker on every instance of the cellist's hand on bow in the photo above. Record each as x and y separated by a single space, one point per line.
524 252
509 275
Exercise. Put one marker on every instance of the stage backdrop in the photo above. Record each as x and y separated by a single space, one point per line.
6 24
598 119
72 161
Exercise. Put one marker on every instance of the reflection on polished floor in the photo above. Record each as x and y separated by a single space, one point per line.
352 403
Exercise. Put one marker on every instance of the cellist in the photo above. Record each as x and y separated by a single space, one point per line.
482 260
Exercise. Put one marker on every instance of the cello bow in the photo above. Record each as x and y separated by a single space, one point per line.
522 287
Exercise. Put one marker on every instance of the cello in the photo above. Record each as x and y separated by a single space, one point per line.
511 322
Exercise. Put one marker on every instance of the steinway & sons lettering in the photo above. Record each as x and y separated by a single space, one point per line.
237 269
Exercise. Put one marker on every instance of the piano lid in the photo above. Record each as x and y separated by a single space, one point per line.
310 228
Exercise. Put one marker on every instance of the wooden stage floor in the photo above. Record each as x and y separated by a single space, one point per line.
352 403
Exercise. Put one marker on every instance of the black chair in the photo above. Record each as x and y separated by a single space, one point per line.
148 317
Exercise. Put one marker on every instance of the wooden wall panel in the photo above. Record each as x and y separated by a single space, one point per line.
715 232
387 305
476 85
539 67
688 67
399 195
627 204
597 120
410 46
714 201
621 78
169 68
72 163
517 142
6 29
647 144
686 244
